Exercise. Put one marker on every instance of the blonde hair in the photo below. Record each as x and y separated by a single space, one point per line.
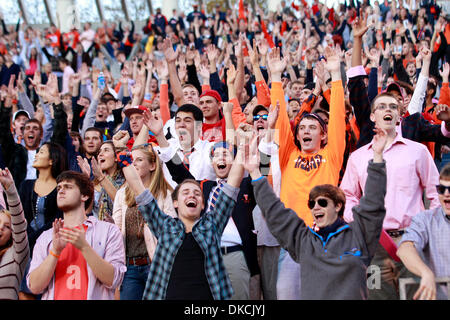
9 243
158 184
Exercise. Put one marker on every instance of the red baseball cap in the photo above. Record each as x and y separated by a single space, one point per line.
136 109
211 93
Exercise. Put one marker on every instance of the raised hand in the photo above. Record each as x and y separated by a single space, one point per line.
6 178
273 115
251 159
96 170
373 55
359 25
84 165
204 72
445 72
162 70
253 53
169 53
426 55
275 63
333 60
153 123
227 107
378 143
212 53
121 138
231 75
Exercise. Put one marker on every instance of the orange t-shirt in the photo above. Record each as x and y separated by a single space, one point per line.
71 275
301 172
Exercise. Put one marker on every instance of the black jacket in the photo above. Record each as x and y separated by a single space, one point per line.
15 156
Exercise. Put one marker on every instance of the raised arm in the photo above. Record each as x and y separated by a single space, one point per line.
18 221
283 222
145 201
171 57
418 97
370 212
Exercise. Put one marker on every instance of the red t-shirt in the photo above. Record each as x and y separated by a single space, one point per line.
71 275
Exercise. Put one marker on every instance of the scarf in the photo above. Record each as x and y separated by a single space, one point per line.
105 203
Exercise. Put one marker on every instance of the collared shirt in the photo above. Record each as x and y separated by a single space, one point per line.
199 160
230 236
31 172
106 240
171 232
413 127
430 232
410 170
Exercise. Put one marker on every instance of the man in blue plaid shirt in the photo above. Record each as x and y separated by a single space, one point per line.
188 263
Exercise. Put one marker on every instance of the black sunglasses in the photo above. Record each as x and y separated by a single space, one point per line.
441 189
259 116
322 202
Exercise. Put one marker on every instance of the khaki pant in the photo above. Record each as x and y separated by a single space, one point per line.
239 274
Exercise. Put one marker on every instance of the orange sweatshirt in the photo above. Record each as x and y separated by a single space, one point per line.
301 172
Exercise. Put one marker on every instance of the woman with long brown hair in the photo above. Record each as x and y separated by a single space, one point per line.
14 250
108 178
140 243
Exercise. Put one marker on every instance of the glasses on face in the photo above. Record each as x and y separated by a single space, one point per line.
259 116
441 188
322 202
393 107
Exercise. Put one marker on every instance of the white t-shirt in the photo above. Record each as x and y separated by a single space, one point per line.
31 172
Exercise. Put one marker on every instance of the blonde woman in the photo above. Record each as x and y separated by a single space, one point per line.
140 243
14 250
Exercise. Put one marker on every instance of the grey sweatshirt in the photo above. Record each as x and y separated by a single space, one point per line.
332 268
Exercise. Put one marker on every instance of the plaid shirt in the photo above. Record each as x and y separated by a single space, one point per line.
413 127
170 232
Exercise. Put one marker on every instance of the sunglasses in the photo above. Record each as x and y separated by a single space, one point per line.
259 116
441 189
322 202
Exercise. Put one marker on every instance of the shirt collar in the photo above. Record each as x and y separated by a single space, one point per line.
398 139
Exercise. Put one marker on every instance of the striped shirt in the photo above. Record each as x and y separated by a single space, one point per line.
170 233
15 259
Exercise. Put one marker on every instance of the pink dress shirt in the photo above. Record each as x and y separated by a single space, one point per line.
106 239
410 171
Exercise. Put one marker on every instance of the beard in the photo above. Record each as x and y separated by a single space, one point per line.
66 207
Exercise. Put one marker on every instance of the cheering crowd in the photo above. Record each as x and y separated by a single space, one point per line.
238 154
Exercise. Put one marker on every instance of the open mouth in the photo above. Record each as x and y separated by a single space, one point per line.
221 166
191 203
387 117
307 139
447 203
319 216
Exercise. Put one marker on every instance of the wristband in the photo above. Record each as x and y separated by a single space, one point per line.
124 159
54 254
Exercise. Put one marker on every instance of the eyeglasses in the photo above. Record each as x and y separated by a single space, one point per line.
259 116
393 107
322 202
441 189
